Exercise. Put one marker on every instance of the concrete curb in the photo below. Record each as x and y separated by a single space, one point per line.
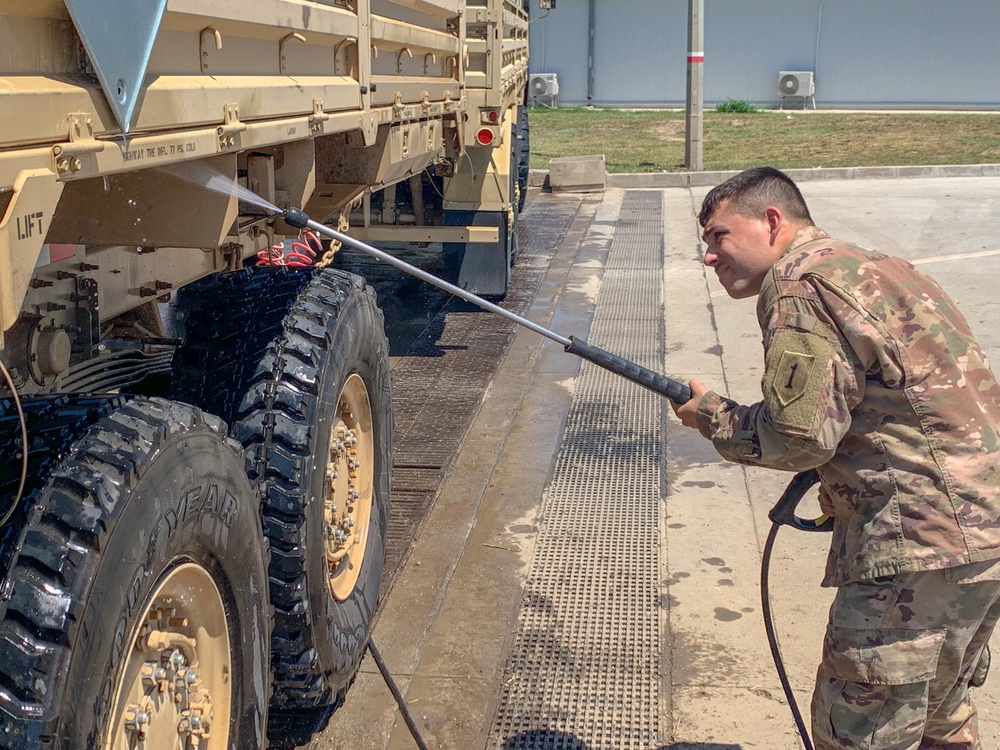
539 177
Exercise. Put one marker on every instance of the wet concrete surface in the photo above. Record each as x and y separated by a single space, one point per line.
447 625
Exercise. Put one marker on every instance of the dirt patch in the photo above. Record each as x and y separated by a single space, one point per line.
668 130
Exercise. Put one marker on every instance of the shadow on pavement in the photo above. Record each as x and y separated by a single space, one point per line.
544 739
550 739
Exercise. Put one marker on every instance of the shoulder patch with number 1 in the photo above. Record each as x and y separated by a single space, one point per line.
797 363
794 369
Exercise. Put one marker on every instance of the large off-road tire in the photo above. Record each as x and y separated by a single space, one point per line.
318 370
135 598
523 155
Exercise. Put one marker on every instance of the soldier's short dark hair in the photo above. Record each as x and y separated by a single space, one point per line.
752 191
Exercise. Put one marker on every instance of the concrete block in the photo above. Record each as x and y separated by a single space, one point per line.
577 174
874 173
820 173
922 171
709 179
537 177
649 180
961 170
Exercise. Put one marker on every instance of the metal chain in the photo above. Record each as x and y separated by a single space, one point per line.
343 224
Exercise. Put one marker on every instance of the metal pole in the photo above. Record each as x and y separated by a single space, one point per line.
591 26
695 95
672 389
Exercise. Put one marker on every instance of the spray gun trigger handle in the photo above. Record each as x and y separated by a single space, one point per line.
783 512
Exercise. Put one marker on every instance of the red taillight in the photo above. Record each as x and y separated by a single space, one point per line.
485 137
494 116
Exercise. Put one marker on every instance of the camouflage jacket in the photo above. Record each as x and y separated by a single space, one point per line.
873 377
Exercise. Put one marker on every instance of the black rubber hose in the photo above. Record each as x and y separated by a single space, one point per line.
400 700
772 638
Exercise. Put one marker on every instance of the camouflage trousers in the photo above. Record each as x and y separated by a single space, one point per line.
898 656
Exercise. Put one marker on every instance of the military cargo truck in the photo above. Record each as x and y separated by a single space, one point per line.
195 422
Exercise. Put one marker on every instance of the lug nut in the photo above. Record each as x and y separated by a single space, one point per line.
148 674
135 718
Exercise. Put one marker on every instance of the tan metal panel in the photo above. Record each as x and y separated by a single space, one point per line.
133 208
403 34
443 8
174 102
37 8
184 101
22 232
33 109
396 233
31 44
410 89
272 19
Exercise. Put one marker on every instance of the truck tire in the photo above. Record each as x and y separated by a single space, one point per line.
523 155
134 594
325 356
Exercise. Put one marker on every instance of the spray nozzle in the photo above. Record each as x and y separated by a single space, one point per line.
295 217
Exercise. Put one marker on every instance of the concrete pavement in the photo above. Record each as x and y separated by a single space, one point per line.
457 607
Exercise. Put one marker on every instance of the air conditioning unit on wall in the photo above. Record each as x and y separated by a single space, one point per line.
543 89
797 84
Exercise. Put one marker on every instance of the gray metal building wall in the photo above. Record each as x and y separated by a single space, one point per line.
864 52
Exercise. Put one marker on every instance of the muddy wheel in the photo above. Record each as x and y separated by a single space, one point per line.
317 427
516 191
312 408
523 155
135 606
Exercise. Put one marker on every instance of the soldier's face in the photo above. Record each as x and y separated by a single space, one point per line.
741 249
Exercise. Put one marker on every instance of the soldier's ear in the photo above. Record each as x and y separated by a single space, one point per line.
775 220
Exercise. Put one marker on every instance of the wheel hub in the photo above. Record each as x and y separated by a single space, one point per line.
175 691
349 487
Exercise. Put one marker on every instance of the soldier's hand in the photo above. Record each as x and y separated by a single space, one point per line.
826 503
687 412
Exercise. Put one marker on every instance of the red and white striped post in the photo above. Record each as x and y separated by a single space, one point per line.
695 96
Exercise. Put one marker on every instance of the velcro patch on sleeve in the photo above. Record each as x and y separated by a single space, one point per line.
797 363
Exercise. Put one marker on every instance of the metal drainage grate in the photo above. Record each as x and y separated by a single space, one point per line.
584 668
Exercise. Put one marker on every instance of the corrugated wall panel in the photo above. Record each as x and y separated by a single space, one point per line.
864 52
558 44
748 41
624 75
908 51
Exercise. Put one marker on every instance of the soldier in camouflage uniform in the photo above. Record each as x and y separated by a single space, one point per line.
872 376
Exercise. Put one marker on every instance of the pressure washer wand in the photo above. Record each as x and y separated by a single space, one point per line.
673 389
